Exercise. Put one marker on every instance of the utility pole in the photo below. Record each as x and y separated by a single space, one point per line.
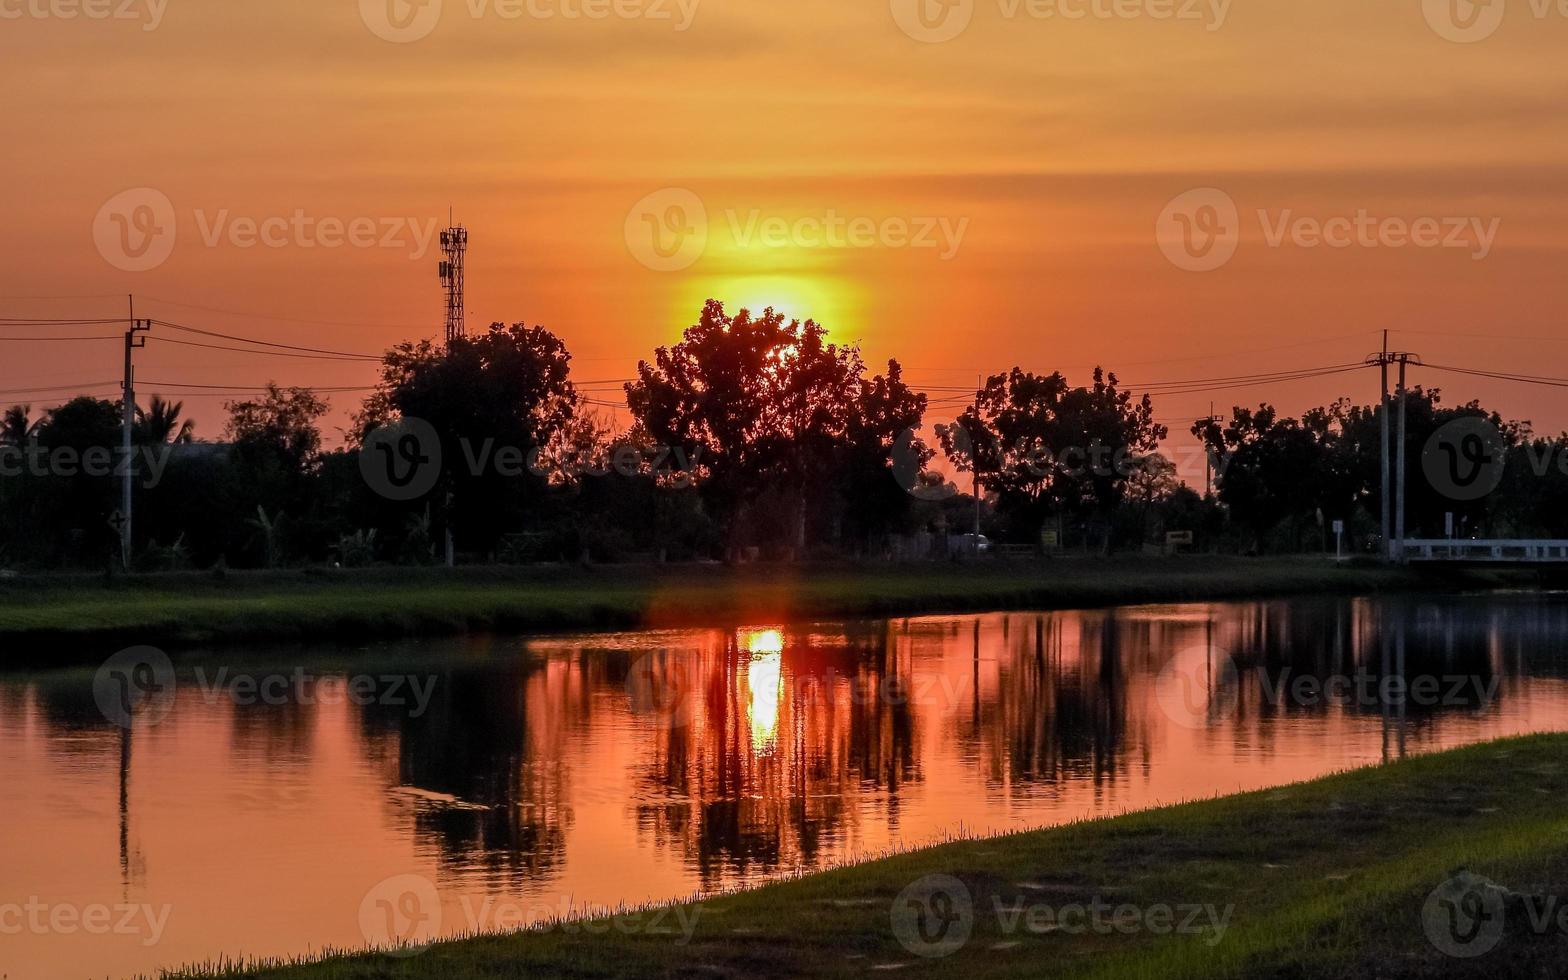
1393 527
1404 359
128 421
1208 457
1388 543
1382 359
974 465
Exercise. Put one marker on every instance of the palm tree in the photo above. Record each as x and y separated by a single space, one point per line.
160 423
16 427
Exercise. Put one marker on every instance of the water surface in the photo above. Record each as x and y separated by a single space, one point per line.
507 780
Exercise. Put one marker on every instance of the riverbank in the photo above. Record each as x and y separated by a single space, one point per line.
1330 878
55 619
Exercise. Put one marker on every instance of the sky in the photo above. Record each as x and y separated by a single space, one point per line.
1174 189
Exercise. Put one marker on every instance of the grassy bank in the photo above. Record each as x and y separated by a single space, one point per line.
47 618
1321 879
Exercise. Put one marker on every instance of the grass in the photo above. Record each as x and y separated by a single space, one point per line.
44 619
1321 879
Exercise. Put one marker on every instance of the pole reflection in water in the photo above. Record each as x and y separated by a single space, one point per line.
631 766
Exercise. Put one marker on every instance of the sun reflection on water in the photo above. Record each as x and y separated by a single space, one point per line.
763 682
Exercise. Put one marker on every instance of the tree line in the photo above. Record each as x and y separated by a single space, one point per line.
752 435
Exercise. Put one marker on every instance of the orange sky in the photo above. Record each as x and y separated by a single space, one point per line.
1053 143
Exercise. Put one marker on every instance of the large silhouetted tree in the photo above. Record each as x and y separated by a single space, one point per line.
768 408
1044 447
505 389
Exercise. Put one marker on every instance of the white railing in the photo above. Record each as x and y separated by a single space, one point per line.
1516 551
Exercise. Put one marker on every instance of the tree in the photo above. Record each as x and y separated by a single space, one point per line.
282 424
276 446
1044 447
1284 476
504 394
767 408
17 427
74 504
159 424
874 503
1278 469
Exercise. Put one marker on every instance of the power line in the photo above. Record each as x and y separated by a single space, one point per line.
246 389
73 388
1241 377
266 343
54 339
286 319
248 350
1503 376
1482 336
21 321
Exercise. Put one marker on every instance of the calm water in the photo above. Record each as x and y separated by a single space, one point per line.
516 779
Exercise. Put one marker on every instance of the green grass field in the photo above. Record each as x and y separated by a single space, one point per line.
1329 878
45 619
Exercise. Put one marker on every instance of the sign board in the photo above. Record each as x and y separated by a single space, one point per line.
1173 538
1339 527
1051 539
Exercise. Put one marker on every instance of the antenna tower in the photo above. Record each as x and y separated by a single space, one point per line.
454 244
